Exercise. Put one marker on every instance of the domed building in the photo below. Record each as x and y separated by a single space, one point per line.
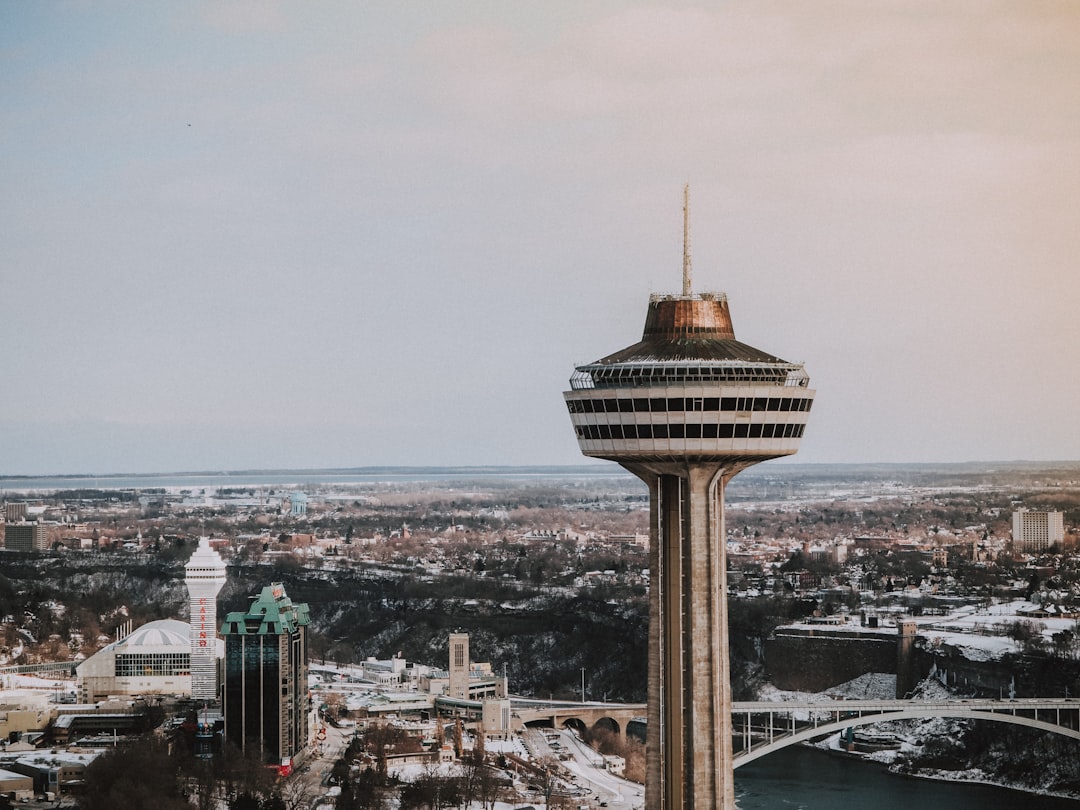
154 659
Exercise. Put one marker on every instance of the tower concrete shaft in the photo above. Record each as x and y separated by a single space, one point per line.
689 729
685 409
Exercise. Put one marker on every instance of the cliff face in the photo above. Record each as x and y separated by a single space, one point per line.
811 661
801 662
542 640
1010 675
58 604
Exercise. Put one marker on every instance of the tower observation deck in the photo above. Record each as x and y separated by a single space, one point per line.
685 409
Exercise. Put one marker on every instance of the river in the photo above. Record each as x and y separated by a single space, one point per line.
803 778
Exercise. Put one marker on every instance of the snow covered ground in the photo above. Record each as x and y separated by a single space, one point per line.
978 632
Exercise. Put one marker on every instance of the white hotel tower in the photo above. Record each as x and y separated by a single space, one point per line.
205 575
685 409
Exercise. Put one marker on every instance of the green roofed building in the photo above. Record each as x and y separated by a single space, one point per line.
265 693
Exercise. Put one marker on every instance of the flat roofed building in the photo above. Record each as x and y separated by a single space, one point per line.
24 536
55 772
19 785
23 711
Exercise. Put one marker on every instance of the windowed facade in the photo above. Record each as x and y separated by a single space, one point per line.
164 664
458 685
1036 531
265 690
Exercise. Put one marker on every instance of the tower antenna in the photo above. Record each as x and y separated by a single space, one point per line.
687 270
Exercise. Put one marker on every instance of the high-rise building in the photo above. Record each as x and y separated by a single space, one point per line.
685 409
204 576
1033 530
26 536
265 693
458 686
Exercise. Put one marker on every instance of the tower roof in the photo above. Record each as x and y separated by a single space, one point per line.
205 560
688 327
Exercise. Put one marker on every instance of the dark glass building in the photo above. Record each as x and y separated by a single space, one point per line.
265 692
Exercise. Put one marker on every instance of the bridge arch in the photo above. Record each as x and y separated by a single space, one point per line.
608 724
914 713
575 724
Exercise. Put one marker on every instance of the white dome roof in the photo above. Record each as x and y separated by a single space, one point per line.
164 633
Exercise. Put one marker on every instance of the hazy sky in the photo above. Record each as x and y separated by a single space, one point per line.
239 235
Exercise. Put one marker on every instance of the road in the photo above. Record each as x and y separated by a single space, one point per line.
587 766
316 770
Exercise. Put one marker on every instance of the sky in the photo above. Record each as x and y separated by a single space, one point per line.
240 235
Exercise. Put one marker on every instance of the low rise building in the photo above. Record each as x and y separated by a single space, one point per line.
55 773
154 659
19 786
22 712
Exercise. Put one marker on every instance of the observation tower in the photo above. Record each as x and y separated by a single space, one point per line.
204 575
685 409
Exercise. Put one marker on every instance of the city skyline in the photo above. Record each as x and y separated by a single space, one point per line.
245 236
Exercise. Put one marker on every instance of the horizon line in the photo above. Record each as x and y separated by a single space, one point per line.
474 468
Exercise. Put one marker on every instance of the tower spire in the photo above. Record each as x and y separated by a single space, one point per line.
687 270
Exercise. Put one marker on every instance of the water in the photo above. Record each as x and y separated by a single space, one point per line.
806 779
285 478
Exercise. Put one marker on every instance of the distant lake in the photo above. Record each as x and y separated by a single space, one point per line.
286 478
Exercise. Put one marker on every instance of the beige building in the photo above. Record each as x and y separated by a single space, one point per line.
1035 531
496 719
21 712
19 785
459 666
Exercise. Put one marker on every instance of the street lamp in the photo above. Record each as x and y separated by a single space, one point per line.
583 684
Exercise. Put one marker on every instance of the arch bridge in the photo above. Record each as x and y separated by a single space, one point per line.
764 727
579 716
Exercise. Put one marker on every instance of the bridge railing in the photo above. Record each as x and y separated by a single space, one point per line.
26 669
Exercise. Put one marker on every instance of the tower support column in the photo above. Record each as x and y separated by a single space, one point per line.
689 730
